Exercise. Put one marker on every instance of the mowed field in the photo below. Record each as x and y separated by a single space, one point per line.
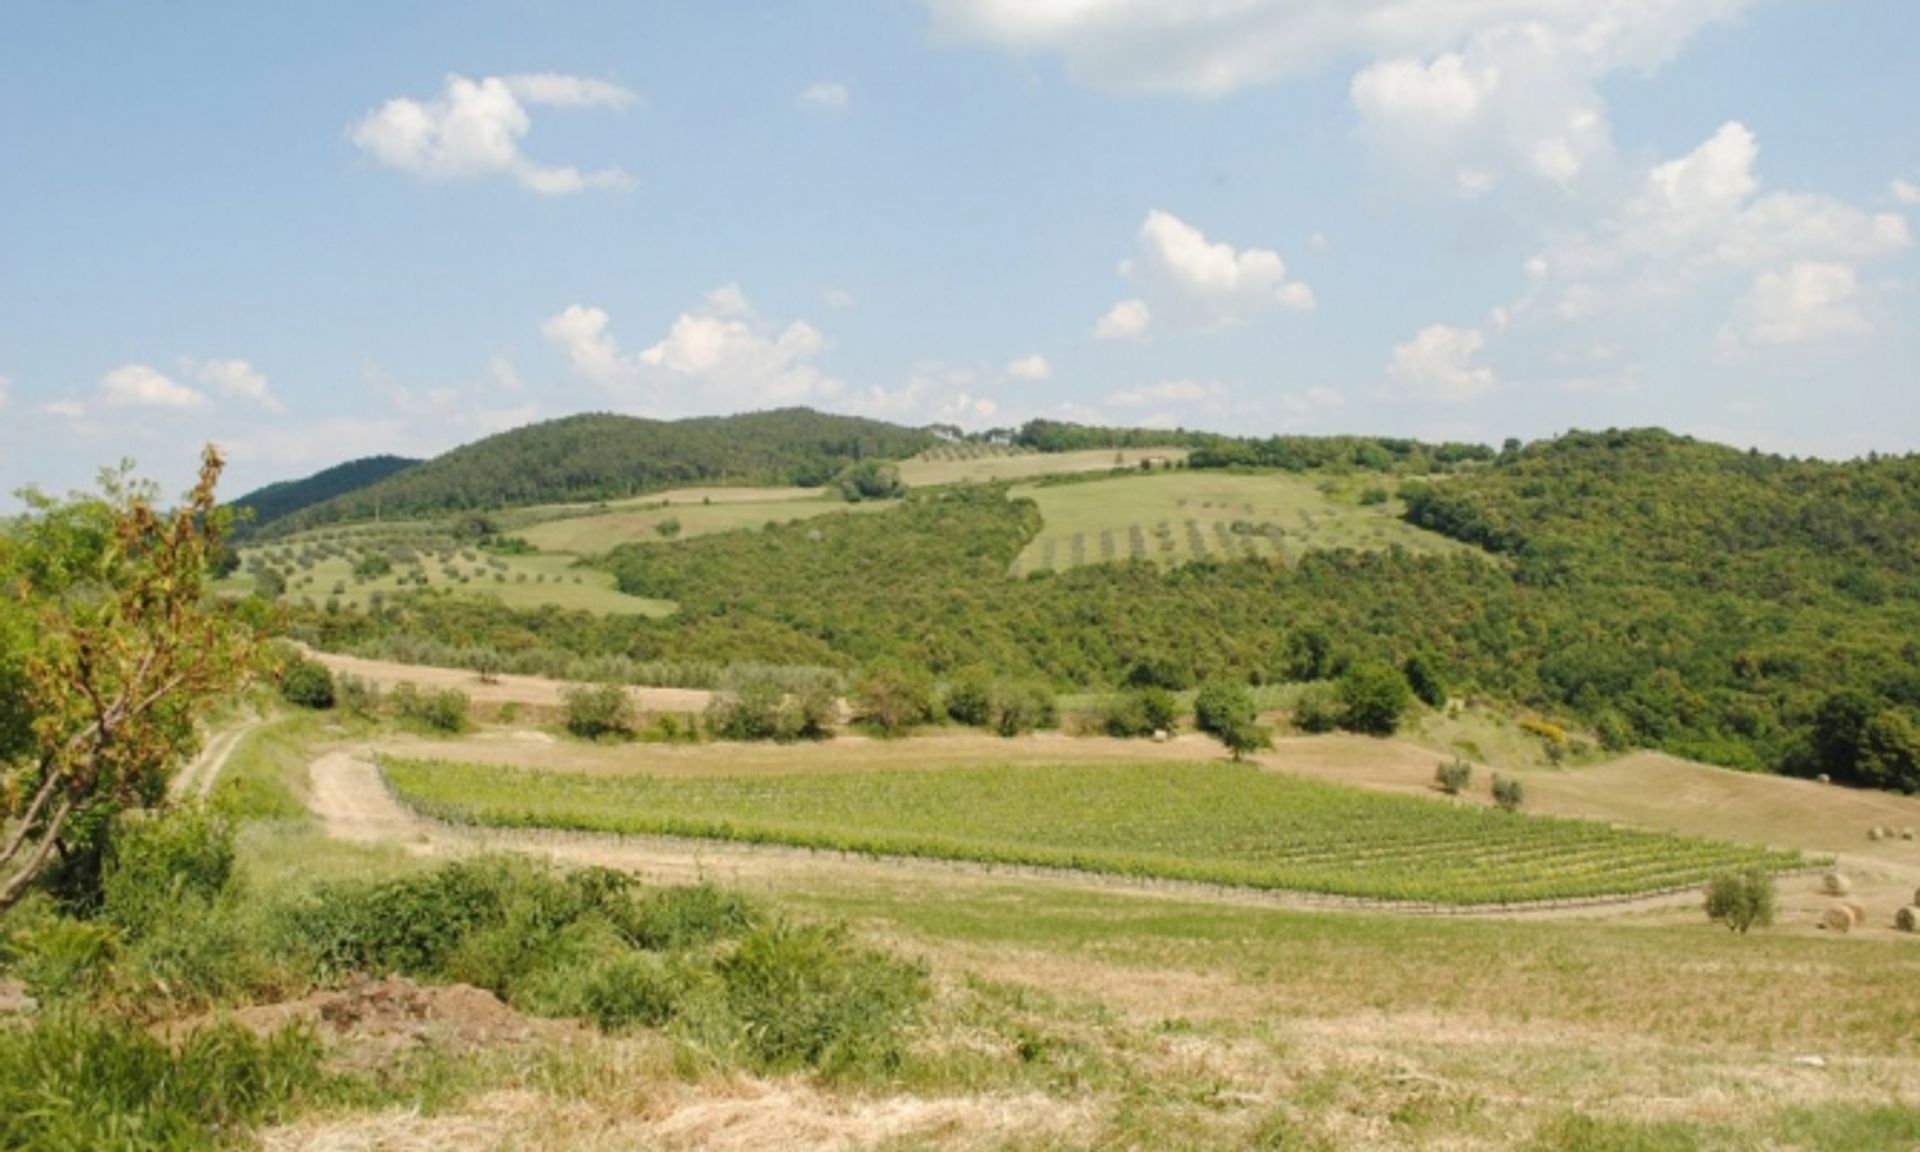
1234 825
1172 518
980 463
641 521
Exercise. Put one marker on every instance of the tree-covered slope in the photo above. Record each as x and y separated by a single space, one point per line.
1750 611
606 457
277 501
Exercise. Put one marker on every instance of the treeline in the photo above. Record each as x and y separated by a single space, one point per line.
1338 454
1758 614
607 457
274 502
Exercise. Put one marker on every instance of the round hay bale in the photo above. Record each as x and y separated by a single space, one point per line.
1907 919
1906 833
1823 778
1836 884
1857 911
1873 833
1836 920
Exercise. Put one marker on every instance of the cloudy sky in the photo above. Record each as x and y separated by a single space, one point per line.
311 232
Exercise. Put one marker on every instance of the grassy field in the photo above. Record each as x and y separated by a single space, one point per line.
963 464
1199 822
1172 518
639 522
320 566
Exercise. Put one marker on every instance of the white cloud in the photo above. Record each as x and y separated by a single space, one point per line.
1904 192
1692 219
838 299
581 333
1445 92
720 356
141 386
827 96
475 128
1030 368
933 393
1127 320
1165 392
1438 364
501 371
1801 303
236 378
1214 48
65 409
558 91
1202 283
6 392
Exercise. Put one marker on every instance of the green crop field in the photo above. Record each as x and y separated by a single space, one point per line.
318 567
1171 518
640 521
1234 825
977 464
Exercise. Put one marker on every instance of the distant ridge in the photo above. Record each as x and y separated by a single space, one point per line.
599 456
278 501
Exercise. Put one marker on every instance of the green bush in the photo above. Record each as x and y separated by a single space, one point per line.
1508 792
440 709
1019 708
1225 710
1141 712
1317 710
807 997
893 699
970 699
307 684
762 708
1372 698
1453 776
72 1081
165 867
599 712
357 694
1741 900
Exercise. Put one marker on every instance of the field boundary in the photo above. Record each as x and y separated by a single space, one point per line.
483 835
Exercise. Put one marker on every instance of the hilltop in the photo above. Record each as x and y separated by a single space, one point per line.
263 506
599 456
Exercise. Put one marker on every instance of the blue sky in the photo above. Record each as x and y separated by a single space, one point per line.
314 232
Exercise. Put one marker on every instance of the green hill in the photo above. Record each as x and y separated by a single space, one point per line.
277 501
600 456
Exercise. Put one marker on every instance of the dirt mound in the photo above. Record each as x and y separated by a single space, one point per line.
383 1016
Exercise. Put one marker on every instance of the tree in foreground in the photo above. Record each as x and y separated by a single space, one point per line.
1741 900
1225 710
1372 697
116 645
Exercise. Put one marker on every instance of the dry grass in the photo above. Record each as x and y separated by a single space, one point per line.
925 472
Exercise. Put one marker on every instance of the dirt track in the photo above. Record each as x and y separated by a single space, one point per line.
527 690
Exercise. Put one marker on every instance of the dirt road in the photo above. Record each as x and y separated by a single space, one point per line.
527 690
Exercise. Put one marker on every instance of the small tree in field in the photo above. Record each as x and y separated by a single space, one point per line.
1741 900
1372 697
893 699
599 712
1508 792
1225 710
119 648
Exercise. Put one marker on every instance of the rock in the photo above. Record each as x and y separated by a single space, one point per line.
1809 1061
14 1000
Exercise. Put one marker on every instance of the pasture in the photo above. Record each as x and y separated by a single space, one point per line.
981 463
1209 823
670 518
1173 518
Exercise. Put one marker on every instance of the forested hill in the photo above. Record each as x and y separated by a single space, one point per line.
605 457
277 501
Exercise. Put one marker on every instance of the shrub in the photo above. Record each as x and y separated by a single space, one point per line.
808 997
871 480
441 710
1508 792
1141 712
74 1081
1372 698
1021 708
1160 672
970 699
307 683
1741 900
668 528
1225 710
1425 681
594 713
357 694
1453 776
1317 710
893 699
154 866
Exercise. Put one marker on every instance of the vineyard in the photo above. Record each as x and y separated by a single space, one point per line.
981 463
1206 823
1179 517
653 521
